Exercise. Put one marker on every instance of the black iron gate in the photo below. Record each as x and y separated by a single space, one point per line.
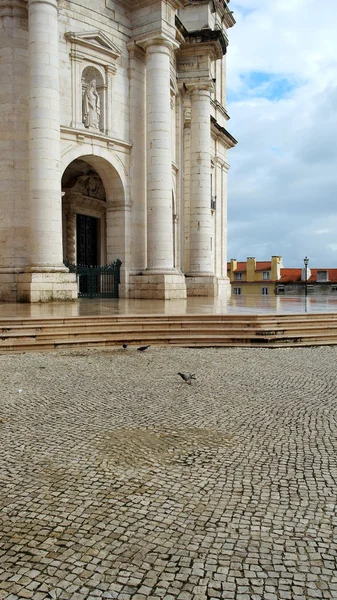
97 282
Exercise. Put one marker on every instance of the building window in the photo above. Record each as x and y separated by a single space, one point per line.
266 275
238 276
334 288
322 275
264 291
280 289
213 197
237 291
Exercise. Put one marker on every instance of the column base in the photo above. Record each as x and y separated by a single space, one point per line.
8 285
207 285
157 286
224 287
46 287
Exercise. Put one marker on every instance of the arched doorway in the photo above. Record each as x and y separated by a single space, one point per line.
83 215
95 226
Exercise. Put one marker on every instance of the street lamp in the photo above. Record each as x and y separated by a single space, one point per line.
306 262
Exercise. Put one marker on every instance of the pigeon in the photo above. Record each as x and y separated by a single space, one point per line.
187 377
143 348
124 346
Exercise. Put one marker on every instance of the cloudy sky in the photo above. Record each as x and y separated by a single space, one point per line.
282 99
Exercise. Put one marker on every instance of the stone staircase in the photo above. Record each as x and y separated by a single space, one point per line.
262 331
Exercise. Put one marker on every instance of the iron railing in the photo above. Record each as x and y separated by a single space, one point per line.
97 281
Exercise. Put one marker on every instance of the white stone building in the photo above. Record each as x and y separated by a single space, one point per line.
113 145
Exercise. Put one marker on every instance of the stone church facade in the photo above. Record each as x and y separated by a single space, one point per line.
113 145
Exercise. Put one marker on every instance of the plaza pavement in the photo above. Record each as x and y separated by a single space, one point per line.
120 481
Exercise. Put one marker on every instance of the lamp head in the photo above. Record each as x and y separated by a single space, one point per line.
306 261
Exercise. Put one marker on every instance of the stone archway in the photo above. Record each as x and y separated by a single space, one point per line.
91 186
83 214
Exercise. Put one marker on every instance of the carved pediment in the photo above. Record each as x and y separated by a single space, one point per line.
95 41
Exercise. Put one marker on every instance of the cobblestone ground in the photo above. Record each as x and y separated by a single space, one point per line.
118 480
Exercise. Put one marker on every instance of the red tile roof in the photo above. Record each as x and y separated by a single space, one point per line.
295 275
263 266
242 266
288 275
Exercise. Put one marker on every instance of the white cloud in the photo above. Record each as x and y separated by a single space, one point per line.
283 181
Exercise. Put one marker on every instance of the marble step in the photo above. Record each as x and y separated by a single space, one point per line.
188 330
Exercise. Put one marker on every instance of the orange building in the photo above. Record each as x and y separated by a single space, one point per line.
266 278
254 277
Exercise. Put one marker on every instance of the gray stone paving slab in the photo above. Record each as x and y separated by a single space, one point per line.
118 480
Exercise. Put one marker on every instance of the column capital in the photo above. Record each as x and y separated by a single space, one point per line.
153 44
200 86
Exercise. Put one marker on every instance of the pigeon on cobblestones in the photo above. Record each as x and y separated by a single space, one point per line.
187 377
143 348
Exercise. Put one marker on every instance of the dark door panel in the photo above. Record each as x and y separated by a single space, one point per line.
87 238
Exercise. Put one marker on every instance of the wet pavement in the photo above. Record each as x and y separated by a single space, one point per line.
118 306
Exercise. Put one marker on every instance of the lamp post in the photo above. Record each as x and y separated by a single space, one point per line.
306 261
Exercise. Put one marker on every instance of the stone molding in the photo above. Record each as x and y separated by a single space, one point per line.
136 51
85 136
221 133
201 85
75 201
119 205
93 43
13 8
155 42
225 13
217 106
53 3
216 39
222 163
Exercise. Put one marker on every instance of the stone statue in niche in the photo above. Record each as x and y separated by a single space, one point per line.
91 106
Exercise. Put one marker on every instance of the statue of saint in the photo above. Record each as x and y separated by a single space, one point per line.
91 106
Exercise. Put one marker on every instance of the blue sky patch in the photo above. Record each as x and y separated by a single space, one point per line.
259 84
243 10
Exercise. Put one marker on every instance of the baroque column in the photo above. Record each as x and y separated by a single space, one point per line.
160 279
14 234
200 212
44 162
200 280
159 156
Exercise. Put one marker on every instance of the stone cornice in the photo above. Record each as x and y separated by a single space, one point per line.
85 136
221 162
175 4
216 104
220 132
225 13
216 37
